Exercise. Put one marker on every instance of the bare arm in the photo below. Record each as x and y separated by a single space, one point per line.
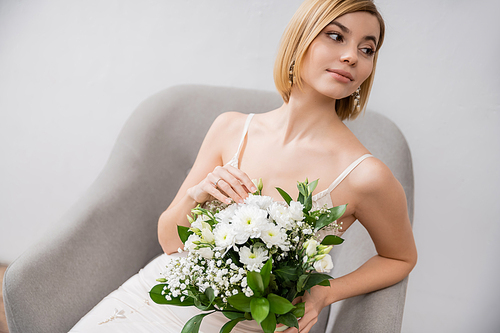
198 187
382 210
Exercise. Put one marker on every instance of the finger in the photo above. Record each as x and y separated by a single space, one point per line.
227 189
208 187
230 184
308 327
308 320
291 330
243 178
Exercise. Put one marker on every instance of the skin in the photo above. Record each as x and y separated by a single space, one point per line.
306 138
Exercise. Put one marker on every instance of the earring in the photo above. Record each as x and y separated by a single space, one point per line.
357 95
290 72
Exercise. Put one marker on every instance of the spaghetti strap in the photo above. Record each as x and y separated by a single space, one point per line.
347 171
236 157
340 178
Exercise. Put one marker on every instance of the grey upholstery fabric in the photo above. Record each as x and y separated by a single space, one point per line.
110 233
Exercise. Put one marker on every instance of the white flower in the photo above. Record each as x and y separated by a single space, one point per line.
262 201
189 246
295 211
280 214
224 235
206 252
206 234
248 220
254 257
324 265
224 216
310 247
273 235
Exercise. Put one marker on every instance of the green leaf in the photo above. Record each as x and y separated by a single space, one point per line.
259 307
210 294
233 314
303 189
183 233
254 280
265 273
301 198
337 211
326 219
284 195
193 324
203 307
240 302
299 310
228 327
289 320
269 324
302 281
332 240
315 279
157 297
287 273
324 283
312 186
278 304
308 204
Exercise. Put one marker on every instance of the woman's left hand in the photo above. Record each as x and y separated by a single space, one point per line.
316 300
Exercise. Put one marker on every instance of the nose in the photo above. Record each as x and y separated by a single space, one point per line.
349 56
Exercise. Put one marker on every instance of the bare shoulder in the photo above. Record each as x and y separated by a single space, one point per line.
229 120
226 125
224 134
371 177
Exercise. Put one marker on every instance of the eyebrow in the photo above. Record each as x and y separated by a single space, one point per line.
347 31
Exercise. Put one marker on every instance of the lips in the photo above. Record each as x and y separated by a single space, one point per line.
342 73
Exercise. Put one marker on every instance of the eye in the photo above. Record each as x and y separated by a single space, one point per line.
335 36
368 51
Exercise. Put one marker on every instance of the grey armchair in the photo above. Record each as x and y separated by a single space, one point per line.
110 233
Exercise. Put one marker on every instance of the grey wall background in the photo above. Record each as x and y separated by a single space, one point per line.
71 72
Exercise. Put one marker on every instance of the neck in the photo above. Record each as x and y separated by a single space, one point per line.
307 115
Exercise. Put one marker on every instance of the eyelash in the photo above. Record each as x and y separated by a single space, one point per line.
369 51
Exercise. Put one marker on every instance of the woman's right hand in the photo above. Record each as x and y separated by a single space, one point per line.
225 183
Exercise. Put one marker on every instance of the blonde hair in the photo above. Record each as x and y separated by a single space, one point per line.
309 20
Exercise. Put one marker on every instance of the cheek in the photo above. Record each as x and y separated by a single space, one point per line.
366 70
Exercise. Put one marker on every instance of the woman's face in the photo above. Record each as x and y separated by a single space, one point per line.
340 58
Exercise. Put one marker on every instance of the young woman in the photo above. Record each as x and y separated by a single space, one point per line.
324 72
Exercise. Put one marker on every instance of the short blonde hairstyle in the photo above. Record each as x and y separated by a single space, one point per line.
309 20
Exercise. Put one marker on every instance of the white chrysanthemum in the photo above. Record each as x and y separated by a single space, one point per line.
253 258
295 211
225 216
280 214
224 235
262 201
273 235
248 220
324 265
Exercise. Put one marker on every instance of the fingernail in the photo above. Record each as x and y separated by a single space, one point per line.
240 201
228 201
253 189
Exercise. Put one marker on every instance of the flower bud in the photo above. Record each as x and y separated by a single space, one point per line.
324 249
319 257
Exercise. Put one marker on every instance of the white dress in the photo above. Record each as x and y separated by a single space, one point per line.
129 308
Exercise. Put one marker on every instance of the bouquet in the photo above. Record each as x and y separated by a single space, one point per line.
251 260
